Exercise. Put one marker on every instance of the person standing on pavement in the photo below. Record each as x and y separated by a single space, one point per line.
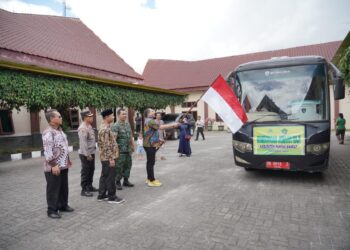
108 147
56 165
340 128
123 134
200 128
87 150
151 144
161 134
185 137
138 121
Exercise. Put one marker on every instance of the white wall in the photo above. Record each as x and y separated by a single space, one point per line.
21 122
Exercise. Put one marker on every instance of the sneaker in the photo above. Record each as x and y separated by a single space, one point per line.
116 200
154 183
102 198
148 181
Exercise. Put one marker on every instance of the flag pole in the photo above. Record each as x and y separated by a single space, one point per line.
195 103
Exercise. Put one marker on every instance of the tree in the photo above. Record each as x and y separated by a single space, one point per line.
344 65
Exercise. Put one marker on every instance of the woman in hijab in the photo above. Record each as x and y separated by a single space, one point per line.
185 137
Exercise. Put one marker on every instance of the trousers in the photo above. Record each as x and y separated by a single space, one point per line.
107 181
87 172
56 190
123 166
151 159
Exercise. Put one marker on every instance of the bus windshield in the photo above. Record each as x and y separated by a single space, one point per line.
293 93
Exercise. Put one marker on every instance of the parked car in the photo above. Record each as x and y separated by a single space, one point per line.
171 133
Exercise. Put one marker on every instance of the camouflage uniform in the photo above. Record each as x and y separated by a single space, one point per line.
123 134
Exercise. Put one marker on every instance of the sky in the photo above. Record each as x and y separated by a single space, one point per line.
139 30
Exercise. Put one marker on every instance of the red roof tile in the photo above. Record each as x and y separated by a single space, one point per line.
182 75
61 39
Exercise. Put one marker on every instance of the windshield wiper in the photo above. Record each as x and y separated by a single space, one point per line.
257 119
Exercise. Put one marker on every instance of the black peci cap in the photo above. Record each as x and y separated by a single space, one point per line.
106 112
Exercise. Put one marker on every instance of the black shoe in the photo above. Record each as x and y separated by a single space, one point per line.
102 197
54 215
118 185
92 189
66 209
126 183
86 193
116 200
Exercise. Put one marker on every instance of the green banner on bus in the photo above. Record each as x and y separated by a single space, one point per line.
279 140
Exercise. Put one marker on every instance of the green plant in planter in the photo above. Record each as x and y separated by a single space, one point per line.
221 127
210 122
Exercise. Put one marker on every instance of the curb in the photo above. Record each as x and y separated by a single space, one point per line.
26 155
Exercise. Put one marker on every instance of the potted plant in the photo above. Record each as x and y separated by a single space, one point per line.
210 122
221 127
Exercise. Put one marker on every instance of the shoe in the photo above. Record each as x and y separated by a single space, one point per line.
126 183
154 183
102 198
54 215
67 209
148 181
118 185
116 200
92 189
196 140
86 193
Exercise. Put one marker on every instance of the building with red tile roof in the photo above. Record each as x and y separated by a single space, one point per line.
63 47
194 77
60 44
198 75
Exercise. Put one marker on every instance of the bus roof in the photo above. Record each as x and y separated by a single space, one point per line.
281 62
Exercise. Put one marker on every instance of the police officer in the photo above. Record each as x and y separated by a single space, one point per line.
87 150
124 138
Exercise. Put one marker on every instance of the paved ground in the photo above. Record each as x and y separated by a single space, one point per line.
205 203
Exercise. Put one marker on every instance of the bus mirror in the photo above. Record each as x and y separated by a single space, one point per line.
339 88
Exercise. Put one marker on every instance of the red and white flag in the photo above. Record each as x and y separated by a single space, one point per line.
224 102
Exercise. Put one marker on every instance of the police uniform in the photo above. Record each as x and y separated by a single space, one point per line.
123 134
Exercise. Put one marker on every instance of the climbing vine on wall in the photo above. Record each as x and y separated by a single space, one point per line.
38 91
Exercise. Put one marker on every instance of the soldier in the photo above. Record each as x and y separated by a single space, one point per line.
123 133
108 154
87 149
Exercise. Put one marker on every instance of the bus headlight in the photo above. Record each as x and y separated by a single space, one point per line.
242 147
317 149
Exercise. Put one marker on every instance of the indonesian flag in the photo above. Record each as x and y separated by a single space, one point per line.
224 102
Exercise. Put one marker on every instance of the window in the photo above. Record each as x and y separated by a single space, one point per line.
189 104
6 124
218 118
73 119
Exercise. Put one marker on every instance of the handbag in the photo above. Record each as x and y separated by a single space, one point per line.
188 137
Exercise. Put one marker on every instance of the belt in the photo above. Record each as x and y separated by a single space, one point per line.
124 153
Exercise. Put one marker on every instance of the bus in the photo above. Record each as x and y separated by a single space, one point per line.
287 102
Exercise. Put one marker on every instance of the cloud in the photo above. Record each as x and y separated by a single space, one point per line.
139 30
201 29
22 7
